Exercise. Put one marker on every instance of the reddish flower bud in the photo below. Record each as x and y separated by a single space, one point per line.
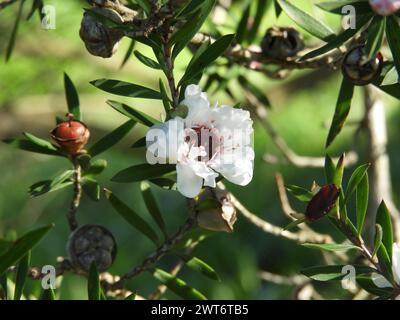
358 69
322 202
71 135
385 7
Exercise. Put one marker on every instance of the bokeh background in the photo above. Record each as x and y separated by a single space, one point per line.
32 95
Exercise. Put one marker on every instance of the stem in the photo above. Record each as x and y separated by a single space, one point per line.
169 73
75 202
162 250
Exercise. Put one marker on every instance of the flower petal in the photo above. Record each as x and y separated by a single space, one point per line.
188 183
396 262
198 106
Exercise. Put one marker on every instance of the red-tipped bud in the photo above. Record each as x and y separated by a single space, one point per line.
324 200
71 135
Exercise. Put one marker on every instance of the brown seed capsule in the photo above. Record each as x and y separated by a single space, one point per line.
281 43
100 40
357 68
71 135
215 210
91 243
322 202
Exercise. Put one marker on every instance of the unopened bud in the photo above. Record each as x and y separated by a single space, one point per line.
281 43
215 210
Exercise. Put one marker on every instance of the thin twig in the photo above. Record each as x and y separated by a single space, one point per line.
162 250
300 237
71 216
294 280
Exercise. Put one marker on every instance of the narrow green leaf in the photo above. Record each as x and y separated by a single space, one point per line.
112 138
145 5
93 283
355 179
369 285
260 13
3 286
385 261
331 246
140 143
338 40
72 98
143 172
330 170
128 53
59 182
278 9
132 113
21 247
35 146
21 274
125 89
293 224
132 217
362 191
384 220
242 28
328 273
360 6
152 207
300 193
206 58
177 285
342 110
378 238
11 42
147 61
200 266
37 5
256 92
47 294
393 38
376 33
307 22
182 37
132 296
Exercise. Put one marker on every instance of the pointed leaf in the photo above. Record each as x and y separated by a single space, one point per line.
360 6
21 274
47 294
206 58
300 193
384 220
91 188
152 207
177 285
132 113
393 38
355 179
11 42
21 247
111 139
378 238
328 273
334 247
200 266
125 89
342 110
376 33
307 22
132 217
260 13
72 98
147 61
362 191
166 101
143 172
128 53
93 283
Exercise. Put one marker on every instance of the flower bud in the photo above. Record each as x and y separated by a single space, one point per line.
385 7
322 202
357 68
71 135
91 243
100 40
215 210
281 43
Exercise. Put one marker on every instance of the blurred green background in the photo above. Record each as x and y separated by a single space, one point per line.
32 94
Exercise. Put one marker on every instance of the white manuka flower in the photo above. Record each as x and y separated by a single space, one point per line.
210 140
